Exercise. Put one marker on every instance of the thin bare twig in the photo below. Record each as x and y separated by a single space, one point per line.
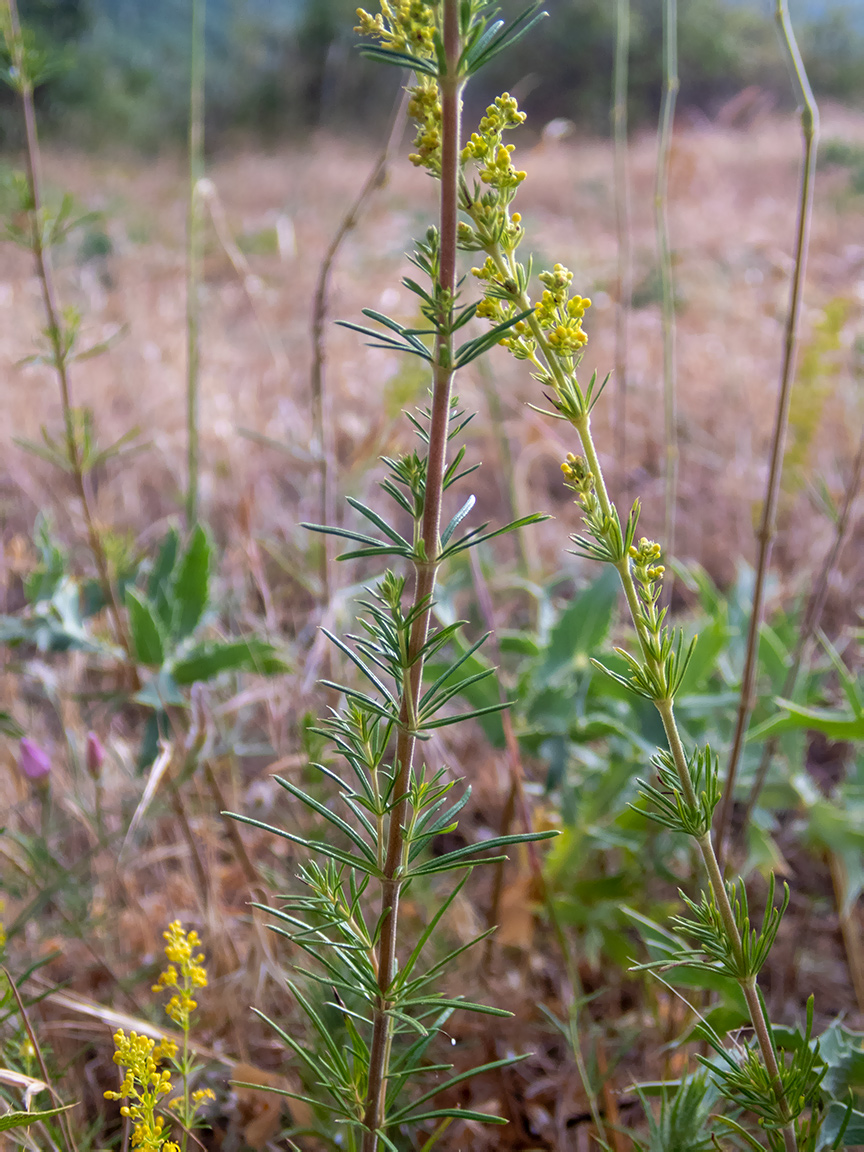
56 329
321 422
249 282
62 1118
768 524
624 275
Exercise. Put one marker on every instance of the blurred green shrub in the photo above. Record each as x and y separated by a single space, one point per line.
281 66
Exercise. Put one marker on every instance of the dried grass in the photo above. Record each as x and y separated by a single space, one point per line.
732 213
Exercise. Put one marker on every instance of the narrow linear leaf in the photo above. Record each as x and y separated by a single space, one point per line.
25 1119
404 1114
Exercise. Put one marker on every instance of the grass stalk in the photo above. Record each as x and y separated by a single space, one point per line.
425 574
664 251
768 523
56 327
194 255
624 274
810 624
321 421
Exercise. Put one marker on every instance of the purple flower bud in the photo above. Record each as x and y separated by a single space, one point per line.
95 754
33 761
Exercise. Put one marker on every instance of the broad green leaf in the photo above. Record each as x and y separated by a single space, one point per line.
162 691
845 1073
481 694
835 1116
192 585
774 657
582 626
710 642
147 639
837 725
839 831
158 583
24 1119
520 643
208 660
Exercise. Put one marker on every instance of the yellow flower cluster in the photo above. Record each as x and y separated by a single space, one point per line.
424 106
198 1098
560 317
144 1084
404 26
180 951
486 149
577 473
644 561
579 478
495 308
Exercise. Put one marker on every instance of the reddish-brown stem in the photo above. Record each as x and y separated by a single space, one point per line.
768 526
321 423
53 315
379 1053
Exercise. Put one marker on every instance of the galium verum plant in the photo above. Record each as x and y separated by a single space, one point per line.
387 995
146 1083
781 1089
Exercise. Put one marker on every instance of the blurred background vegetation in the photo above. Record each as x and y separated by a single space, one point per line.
278 67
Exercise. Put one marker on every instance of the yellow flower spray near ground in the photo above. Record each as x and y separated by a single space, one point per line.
144 1082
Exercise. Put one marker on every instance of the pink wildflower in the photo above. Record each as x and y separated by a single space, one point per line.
95 754
33 761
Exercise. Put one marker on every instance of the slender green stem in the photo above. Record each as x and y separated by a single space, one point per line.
718 887
664 706
187 1119
768 523
622 224
55 328
379 1056
664 251
194 254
